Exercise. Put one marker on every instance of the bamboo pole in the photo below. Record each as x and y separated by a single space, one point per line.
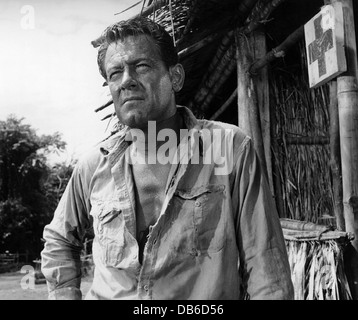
348 126
335 154
107 104
108 116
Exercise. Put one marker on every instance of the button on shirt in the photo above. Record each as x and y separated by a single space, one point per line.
218 235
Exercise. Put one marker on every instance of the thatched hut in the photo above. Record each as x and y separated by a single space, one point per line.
246 63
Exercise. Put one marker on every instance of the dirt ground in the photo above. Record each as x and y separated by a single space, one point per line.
11 289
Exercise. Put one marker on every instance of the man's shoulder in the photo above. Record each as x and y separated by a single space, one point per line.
237 132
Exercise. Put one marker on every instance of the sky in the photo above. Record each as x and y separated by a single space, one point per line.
48 67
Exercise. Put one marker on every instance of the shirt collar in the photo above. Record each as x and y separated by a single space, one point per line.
117 141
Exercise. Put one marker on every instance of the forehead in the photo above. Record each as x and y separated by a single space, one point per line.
131 48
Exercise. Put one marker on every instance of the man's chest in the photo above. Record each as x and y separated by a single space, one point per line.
150 182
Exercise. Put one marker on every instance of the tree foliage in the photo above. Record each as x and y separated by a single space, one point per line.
29 187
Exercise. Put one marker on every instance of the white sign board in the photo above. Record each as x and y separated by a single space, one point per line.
324 35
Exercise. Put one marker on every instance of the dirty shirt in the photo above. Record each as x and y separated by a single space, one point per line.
218 235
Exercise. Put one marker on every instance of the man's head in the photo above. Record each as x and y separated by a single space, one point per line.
139 63
140 26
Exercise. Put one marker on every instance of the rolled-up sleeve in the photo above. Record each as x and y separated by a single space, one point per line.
61 261
263 255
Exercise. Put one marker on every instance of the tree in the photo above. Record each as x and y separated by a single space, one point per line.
28 194
56 182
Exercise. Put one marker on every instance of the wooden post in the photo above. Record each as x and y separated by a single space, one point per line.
243 64
248 110
258 43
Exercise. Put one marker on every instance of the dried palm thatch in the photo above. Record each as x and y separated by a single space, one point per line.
173 16
302 155
316 259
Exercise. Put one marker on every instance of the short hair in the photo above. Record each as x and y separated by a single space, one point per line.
135 27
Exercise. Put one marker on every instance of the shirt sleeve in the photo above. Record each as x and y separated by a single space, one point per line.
61 262
263 256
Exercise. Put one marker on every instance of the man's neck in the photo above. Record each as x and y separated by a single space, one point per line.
173 124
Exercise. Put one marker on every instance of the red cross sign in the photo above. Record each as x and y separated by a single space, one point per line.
324 35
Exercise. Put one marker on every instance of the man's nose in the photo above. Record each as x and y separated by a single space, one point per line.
128 80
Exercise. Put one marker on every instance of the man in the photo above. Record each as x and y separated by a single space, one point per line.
172 218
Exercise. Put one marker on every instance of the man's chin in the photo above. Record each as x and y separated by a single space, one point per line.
135 121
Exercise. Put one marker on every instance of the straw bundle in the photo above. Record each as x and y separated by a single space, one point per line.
173 15
317 270
316 259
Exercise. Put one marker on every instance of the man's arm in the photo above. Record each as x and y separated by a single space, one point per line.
61 263
263 255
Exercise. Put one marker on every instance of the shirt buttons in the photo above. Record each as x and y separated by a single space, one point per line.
197 203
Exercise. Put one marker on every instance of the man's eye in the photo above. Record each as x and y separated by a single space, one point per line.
114 73
142 67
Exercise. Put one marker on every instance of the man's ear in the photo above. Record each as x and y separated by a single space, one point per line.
177 75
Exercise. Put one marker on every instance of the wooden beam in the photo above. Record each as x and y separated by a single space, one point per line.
244 9
225 49
198 45
192 15
279 51
260 15
224 73
224 106
227 63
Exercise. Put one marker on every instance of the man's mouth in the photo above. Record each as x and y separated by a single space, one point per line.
131 99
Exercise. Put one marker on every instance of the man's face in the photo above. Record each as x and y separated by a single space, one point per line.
139 82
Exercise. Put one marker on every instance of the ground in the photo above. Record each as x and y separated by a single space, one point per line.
11 289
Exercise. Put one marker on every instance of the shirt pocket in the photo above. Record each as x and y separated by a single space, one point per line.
207 217
108 225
